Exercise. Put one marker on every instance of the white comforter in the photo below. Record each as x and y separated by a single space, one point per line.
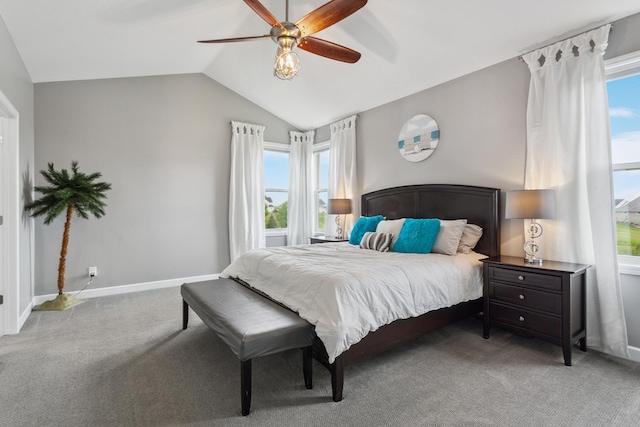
347 292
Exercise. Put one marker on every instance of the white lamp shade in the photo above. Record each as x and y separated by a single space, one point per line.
339 206
530 204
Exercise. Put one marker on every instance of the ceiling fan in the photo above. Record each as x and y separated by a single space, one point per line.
287 35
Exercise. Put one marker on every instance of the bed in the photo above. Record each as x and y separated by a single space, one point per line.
479 205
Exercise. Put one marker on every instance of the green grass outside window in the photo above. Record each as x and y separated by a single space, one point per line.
628 239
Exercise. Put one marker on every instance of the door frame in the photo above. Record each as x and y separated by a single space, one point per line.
11 222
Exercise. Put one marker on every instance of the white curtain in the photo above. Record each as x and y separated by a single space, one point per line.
301 197
343 180
246 190
569 150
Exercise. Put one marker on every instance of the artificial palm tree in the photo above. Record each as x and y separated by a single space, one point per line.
67 193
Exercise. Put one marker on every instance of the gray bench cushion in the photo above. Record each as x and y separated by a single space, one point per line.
250 324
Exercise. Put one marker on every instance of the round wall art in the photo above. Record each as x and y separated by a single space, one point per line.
418 138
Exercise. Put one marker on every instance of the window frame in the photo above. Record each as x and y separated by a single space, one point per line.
618 68
317 149
281 148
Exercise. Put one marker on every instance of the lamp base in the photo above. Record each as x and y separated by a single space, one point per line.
338 228
530 246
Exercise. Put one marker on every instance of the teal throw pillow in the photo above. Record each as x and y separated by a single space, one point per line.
417 236
362 225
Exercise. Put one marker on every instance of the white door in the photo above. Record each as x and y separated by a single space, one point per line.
3 133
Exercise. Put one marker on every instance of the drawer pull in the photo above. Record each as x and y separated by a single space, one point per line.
520 277
521 318
521 296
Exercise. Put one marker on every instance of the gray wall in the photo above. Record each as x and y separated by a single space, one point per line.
624 39
631 301
164 145
482 137
16 85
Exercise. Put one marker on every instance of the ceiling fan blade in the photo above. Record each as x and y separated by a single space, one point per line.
236 39
263 12
329 50
327 15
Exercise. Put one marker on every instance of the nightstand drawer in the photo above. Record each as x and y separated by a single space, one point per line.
525 319
525 278
524 297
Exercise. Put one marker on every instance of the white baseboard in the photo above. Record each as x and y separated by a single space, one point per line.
634 353
124 289
24 316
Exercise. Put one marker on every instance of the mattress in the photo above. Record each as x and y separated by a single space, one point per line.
347 292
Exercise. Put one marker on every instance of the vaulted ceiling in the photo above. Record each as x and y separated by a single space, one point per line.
406 45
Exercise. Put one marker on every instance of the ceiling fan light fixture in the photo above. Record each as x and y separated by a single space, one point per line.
288 35
287 64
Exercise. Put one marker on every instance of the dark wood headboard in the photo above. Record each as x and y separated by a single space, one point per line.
479 205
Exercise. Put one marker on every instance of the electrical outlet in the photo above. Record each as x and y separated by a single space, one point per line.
93 271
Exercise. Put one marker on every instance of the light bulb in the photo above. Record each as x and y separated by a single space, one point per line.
287 64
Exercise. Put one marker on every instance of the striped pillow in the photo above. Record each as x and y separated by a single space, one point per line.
376 241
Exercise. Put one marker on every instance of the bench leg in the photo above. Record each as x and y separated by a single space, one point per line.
307 367
245 386
185 314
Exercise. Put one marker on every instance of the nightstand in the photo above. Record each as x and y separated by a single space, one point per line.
546 301
325 239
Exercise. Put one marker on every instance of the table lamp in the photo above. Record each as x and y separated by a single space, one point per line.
532 205
339 207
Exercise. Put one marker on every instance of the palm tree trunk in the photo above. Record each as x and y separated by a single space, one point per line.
63 251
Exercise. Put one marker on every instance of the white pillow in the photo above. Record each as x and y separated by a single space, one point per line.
469 239
449 236
391 226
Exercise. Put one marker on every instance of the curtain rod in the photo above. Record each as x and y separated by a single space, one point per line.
520 57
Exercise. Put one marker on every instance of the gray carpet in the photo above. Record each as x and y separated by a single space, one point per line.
125 361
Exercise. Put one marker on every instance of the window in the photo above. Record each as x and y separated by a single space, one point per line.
623 87
276 187
321 185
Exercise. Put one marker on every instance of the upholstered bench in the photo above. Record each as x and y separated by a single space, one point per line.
250 324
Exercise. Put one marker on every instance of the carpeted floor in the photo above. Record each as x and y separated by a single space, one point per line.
125 361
